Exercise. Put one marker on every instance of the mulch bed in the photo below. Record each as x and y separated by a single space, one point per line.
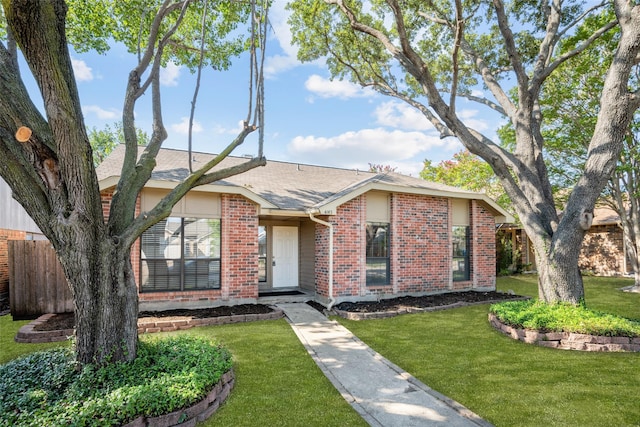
66 320
394 304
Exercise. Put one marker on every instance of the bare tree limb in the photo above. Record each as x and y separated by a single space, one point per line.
454 55
198 76
512 51
490 80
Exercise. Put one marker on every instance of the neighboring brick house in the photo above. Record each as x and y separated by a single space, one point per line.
602 253
269 230
15 224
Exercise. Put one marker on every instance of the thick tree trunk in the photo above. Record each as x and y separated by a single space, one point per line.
106 304
557 253
559 280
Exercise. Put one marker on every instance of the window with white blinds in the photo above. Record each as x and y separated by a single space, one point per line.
181 254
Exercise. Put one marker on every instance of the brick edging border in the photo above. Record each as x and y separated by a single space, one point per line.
567 340
197 413
353 315
26 334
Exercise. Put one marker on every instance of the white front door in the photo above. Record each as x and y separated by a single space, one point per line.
285 257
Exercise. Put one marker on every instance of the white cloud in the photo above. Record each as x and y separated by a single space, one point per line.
219 129
169 75
378 146
342 89
402 116
469 118
280 31
276 64
183 126
100 112
81 70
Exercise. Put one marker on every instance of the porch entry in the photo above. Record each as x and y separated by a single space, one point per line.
284 263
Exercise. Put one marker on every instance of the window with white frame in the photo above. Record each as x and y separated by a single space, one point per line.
181 254
460 239
262 253
378 259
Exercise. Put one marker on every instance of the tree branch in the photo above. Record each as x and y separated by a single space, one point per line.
546 71
198 76
454 55
512 51
489 79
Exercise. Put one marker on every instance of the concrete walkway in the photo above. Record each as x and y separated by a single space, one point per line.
381 392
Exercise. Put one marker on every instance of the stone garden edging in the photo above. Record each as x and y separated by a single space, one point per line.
567 340
197 413
27 334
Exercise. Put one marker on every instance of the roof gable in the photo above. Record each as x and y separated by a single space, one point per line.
283 186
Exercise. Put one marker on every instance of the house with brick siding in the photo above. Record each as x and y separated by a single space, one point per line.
15 224
603 252
333 234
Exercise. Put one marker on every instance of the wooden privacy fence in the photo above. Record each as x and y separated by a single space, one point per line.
37 284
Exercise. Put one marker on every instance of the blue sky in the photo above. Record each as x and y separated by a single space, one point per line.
309 119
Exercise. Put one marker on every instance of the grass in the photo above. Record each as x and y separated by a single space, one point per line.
563 317
9 349
456 352
601 293
510 383
277 383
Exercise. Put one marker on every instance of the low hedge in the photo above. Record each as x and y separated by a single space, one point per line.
45 388
562 317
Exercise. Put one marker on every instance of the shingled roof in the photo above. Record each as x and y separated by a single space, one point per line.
286 186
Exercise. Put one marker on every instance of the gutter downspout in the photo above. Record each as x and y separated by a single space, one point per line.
312 212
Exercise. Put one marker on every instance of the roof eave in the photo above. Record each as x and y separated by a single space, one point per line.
112 181
330 207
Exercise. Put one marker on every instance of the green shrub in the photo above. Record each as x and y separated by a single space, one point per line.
561 317
45 388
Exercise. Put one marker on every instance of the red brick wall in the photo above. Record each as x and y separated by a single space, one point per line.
603 251
348 251
420 248
239 247
322 259
5 236
420 243
349 274
483 247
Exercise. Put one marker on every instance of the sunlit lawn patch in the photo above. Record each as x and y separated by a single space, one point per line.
508 382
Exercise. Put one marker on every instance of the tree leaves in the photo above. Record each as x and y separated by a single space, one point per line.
95 24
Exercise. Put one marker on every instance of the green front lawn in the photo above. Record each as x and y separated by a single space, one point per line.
510 383
277 383
456 352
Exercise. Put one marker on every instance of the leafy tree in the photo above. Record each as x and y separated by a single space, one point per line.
467 171
428 54
48 161
570 104
104 141
623 195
